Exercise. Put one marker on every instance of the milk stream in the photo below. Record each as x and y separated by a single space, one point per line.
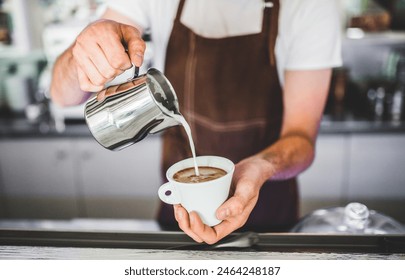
187 128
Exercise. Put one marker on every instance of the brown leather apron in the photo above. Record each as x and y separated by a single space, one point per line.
229 93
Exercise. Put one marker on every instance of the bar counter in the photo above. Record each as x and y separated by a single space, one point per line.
142 239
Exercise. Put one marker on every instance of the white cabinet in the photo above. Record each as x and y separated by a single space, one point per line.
120 183
377 173
367 168
59 178
3 209
323 183
38 178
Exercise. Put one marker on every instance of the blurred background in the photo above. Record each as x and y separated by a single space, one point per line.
52 168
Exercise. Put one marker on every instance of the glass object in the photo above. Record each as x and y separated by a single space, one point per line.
355 218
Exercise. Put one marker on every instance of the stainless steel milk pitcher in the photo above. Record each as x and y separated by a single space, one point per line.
123 114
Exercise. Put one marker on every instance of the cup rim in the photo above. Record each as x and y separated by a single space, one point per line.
229 172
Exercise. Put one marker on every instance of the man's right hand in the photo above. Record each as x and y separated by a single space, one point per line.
103 50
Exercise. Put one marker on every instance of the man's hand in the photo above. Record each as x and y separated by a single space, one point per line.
103 50
248 178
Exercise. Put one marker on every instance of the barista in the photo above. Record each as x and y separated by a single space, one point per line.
252 78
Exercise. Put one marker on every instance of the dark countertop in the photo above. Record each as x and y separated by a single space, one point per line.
143 239
21 128
355 126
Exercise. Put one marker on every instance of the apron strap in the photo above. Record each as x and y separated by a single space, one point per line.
270 26
179 10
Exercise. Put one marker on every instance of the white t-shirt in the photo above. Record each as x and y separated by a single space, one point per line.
308 35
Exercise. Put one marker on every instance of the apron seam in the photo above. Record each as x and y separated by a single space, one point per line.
227 125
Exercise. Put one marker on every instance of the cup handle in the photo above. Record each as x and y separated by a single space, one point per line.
168 194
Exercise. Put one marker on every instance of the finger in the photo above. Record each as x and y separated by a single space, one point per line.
104 39
87 66
211 235
234 206
225 228
204 232
244 197
182 218
93 74
85 83
115 53
136 46
101 54
103 65
103 94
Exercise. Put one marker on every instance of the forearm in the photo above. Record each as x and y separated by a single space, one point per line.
305 94
286 158
65 88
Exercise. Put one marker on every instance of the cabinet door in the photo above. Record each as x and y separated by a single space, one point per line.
377 173
38 178
121 184
3 211
323 183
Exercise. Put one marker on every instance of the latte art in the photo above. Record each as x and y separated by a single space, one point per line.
207 173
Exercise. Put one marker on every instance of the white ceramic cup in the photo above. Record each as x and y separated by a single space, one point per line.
203 198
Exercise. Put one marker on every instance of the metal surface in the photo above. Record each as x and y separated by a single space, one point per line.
124 114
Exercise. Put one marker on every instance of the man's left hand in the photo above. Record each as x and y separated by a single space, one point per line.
247 181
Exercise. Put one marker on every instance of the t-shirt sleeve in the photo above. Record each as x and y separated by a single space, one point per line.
136 10
309 34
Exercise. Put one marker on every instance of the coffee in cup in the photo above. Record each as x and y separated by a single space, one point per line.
207 173
202 194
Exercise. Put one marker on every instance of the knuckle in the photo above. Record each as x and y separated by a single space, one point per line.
98 81
76 51
93 79
80 40
99 24
89 87
141 44
210 241
86 87
131 30
109 72
138 45
238 208
119 61
118 64
114 73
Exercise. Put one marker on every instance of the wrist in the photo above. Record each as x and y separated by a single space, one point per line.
268 168
265 168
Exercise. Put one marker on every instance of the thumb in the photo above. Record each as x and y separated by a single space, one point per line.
136 46
232 207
